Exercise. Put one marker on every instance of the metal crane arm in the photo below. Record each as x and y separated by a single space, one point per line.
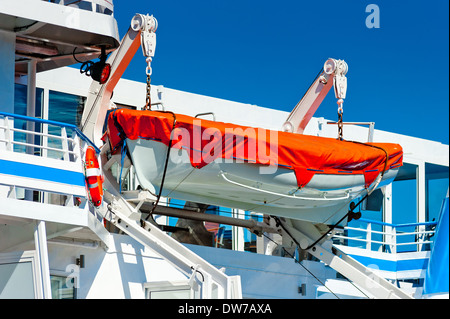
333 74
140 33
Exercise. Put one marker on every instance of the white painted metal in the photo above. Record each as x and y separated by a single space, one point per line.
7 59
127 218
421 196
333 73
108 4
71 161
25 257
394 275
31 110
40 238
99 97
171 250
387 212
305 234
238 232
390 236
69 17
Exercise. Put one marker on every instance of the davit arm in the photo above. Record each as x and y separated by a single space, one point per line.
333 74
141 33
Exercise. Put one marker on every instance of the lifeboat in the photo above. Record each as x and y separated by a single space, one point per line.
278 173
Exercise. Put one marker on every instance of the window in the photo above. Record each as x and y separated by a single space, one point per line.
63 287
169 290
16 280
66 108
18 275
20 107
20 100
437 186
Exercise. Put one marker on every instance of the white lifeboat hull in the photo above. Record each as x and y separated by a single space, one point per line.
325 199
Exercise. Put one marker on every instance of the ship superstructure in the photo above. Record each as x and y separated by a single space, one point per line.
56 243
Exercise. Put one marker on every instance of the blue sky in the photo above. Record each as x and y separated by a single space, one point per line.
267 53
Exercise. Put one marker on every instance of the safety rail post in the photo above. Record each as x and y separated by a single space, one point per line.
390 235
65 144
102 4
8 133
76 147
67 160
369 236
393 230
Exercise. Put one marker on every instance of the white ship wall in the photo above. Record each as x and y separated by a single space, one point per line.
117 272
124 269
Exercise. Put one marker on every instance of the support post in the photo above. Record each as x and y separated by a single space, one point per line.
40 240
31 103
238 232
31 112
7 63
421 199
388 231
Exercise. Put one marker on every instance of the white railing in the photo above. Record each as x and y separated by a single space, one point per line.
41 155
392 238
101 6
69 148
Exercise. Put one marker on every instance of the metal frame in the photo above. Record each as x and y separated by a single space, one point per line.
304 234
123 216
71 163
390 235
25 256
40 239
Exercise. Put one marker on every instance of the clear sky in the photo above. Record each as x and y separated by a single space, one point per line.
267 53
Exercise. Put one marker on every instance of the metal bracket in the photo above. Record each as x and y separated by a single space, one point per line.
148 25
340 69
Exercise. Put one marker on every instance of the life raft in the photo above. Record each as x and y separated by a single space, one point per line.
279 173
93 177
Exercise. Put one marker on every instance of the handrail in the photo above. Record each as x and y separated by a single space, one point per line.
55 123
37 133
420 235
108 4
396 225
282 195
41 147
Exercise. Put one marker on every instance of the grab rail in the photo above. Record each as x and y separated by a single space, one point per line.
50 122
279 194
39 159
102 4
390 235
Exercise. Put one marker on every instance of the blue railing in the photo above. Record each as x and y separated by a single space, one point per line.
38 155
72 127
